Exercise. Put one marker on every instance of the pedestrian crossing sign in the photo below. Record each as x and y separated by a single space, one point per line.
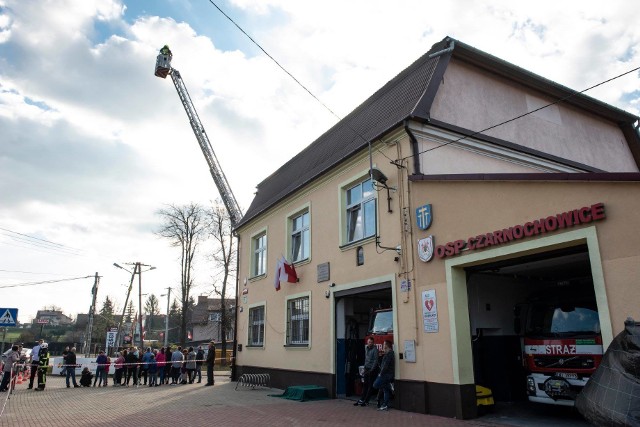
8 316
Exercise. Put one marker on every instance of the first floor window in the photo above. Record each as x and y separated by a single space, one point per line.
300 237
256 326
361 211
298 321
259 259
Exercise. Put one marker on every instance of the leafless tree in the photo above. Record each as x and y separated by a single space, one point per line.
152 308
224 257
184 227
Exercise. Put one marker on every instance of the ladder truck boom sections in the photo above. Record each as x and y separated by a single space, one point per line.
163 68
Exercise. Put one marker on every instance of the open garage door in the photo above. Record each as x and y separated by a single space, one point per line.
353 312
531 320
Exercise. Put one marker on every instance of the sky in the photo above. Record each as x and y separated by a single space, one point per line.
92 144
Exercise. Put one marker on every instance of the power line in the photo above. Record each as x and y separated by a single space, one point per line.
15 285
31 272
523 115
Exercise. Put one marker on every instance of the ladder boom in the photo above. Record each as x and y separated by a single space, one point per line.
219 178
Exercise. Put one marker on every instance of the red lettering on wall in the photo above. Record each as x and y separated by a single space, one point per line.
597 211
528 229
458 245
585 215
489 239
497 237
507 234
565 219
538 226
471 243
551 222
518 232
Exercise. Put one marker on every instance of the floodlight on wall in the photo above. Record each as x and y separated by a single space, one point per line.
380 178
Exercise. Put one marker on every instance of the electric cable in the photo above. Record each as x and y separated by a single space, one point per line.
15 285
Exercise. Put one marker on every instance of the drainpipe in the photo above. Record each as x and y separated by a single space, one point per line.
237 310
414 149
443 51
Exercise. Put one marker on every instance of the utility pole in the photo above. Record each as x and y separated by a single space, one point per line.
124 310
166 320
140 305
94 293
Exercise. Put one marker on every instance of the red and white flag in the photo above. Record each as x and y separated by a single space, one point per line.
285 272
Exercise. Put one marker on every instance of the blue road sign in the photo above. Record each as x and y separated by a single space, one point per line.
8 316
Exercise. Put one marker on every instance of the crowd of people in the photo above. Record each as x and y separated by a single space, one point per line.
132 367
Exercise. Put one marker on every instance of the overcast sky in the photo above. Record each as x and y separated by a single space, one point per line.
92 144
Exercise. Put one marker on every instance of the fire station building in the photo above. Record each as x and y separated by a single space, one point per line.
427 200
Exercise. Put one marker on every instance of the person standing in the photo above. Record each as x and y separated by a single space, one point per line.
131 366
119 367
101 370
146 358
152 369
370 372
211 358
63 371
160 359
191 365
35 362
387 371
7 370
71 367
176 364
199 360
44 365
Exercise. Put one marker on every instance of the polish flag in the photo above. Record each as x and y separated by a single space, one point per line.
285 272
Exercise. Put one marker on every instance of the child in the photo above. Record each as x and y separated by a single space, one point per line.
152 370
86 377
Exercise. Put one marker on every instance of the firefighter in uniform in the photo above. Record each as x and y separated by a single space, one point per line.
43 365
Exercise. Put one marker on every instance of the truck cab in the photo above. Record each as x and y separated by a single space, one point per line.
561 343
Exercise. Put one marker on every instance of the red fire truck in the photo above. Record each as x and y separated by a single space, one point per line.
561 342
380 327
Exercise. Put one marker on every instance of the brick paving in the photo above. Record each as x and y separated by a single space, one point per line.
192 405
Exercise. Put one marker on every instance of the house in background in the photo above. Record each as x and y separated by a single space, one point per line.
428 200
52 318
206 320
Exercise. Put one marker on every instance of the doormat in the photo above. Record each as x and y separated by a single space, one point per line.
304 393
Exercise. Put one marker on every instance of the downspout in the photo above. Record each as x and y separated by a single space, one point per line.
443 51
414 149
235 318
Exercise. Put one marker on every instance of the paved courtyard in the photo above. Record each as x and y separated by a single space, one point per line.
192 405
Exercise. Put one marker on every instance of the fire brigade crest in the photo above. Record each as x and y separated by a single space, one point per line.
425 248
424 217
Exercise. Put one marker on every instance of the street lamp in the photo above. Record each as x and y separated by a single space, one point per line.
137 269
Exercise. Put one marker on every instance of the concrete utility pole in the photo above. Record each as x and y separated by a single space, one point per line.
166 320
92 310
124 310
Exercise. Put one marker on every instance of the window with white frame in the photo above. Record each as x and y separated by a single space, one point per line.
259 255
300 236
298 321
215 317
256 326
360 211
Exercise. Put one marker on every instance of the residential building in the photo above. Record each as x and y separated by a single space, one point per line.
206 320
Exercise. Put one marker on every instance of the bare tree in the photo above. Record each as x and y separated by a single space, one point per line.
152 308
224 257
184 227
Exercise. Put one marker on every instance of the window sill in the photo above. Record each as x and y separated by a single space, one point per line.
300 346
255 346
256 278
357 243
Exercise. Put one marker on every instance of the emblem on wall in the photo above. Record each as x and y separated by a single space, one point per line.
425 248
424 217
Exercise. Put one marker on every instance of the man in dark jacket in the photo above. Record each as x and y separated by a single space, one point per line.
387 372
71 367
370 372
199 361
211 357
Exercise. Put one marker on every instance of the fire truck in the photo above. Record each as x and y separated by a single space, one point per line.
561 342
380 327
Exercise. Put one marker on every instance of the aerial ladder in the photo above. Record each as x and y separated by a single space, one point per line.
163 69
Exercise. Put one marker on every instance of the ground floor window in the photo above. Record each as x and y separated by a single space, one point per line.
298 321
256 326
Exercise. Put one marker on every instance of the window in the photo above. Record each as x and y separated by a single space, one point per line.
300 240
256 326
298 321
215 317
361 211
259 258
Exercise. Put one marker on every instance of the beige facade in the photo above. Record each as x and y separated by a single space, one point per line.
554 161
